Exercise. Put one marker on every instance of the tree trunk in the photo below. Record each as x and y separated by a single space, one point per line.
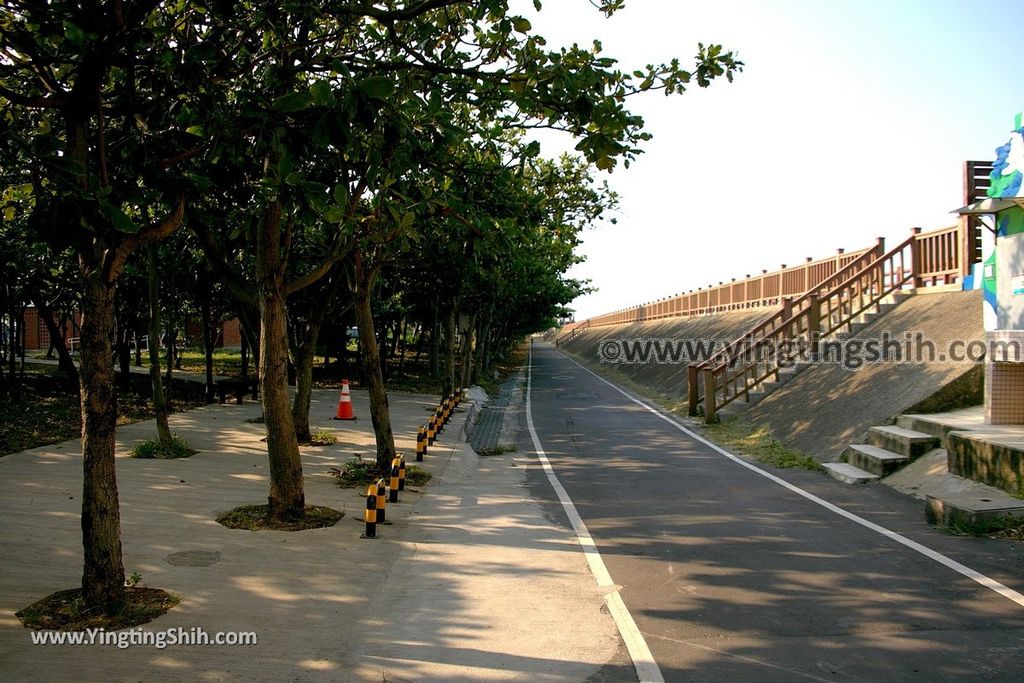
103 575
138 349
64 360
163 429
467 353
402 347
208 340
435 347
451 330
287 497
484 343
380 413
124 357
304 353
245 357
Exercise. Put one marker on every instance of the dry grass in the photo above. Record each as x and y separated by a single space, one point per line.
63 611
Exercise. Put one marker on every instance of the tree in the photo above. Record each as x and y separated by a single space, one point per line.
76 74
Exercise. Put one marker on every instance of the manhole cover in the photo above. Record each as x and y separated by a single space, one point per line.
193 558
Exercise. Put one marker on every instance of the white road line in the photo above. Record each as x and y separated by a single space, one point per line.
643 661
980 578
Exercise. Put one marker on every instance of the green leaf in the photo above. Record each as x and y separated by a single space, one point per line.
334 214
407 220
119 218
522 24
294 178
322 93
340 195
377 87
293 101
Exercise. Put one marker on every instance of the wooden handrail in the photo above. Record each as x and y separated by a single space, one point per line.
571 334
735 374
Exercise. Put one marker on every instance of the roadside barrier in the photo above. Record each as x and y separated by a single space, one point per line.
370 516
421 443
401 473
395 474
431 430
382 502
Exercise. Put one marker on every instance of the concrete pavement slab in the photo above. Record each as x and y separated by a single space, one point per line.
471 582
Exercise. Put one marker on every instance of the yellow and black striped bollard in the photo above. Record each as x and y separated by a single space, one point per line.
431 431
439 419
382 502
401 473
393 497
421 443
370 516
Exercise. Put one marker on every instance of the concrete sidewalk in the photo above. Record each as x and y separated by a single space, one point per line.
472 582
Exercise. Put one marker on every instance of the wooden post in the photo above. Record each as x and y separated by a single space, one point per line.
915 258
709 396
693 390
813 323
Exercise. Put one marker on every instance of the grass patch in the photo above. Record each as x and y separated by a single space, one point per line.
322 437
497 450
153 449
64 611
1012 530
416 476
362 473
758 442
1003 528
257 518
357 472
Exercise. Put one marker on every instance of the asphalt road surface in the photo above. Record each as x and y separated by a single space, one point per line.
731 577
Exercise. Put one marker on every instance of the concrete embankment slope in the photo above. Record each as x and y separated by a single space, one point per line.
827 406
662 380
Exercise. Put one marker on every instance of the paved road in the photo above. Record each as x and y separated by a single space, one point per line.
730 577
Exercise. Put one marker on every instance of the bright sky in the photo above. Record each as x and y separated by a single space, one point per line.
851 120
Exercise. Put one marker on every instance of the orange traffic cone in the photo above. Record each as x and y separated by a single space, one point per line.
345 403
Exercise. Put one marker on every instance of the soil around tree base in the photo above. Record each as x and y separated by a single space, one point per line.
63 611
257 518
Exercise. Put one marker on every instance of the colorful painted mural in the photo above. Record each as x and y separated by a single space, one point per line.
1006 183
1009 165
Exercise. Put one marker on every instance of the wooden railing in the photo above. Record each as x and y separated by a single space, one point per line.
939 259
572 332
796 330
767 289
782 319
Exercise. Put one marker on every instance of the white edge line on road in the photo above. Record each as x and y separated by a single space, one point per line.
980 578
643 661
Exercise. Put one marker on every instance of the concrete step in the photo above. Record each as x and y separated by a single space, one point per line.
907 442
924 425
877 461
786 374
755 396
848 474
